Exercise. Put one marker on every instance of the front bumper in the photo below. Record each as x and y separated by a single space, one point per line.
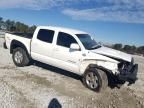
129 76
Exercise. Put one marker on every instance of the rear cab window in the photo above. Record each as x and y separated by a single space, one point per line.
46 35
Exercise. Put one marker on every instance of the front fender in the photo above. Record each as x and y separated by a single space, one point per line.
109 66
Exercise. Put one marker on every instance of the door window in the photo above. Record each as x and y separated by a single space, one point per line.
65 40
46 35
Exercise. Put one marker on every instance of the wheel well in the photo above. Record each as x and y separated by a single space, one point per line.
108 72
113 80
99 67
16 44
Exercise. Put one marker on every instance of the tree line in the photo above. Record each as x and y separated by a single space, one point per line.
131 49
15 26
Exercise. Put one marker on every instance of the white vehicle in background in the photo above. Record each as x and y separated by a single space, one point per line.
74 51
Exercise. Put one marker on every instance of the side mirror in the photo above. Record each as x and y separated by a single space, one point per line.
74 47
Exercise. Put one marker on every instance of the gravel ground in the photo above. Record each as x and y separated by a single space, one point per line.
43 86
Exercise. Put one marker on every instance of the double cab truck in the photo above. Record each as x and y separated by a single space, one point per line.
74 51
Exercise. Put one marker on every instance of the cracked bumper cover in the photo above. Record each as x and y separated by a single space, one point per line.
129 76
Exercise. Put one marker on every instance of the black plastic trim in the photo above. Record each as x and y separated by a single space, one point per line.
130 76
4 45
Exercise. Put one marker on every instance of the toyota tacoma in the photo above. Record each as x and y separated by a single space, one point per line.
75 51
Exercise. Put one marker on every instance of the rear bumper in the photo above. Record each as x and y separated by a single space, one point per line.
130 76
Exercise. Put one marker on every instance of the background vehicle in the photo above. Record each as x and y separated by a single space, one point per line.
74 51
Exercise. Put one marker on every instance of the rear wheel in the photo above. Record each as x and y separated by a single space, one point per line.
20 57
95 79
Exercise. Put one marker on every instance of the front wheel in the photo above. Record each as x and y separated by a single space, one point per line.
20 57
95 79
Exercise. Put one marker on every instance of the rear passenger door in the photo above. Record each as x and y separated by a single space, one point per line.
67 59
42 46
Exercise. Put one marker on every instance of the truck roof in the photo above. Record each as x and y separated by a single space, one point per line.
62 29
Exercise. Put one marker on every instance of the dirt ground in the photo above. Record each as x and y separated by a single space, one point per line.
43 86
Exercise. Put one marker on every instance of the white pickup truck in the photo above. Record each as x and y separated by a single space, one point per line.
74 51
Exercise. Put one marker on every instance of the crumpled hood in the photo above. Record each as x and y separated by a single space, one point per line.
113 53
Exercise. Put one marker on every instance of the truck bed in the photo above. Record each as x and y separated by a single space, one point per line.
25 35
20 37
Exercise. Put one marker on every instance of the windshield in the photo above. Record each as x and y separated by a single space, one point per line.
88 42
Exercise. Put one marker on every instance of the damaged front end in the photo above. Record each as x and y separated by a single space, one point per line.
128 71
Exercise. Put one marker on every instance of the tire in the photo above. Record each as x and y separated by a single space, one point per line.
98 82
20 57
